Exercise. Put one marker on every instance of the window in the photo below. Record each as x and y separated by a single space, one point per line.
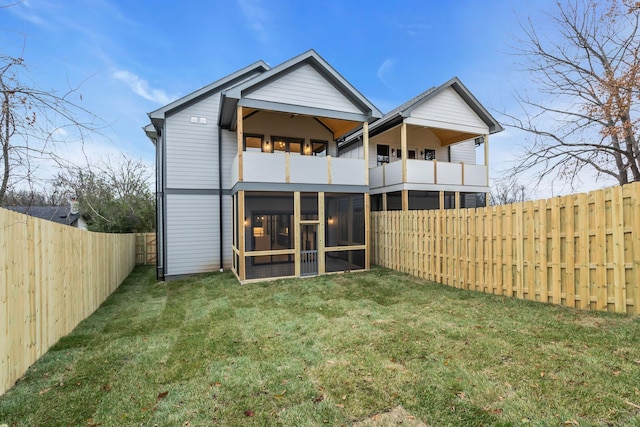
412 154
318 148
383 154
254 143
283 145
429 154
399 153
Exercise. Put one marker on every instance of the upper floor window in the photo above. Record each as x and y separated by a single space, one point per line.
316 148
254 143
283 145
429 154
383 154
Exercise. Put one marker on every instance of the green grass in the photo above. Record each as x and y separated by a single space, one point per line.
331 350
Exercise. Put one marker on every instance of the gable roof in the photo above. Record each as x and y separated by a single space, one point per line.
237 95
405 109
398 114
158 116
59 214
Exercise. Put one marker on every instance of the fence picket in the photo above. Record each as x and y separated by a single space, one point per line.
53 276
580 251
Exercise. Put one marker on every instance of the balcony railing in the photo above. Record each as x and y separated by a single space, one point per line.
296 169
429 172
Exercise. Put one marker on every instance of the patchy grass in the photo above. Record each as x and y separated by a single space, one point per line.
352 349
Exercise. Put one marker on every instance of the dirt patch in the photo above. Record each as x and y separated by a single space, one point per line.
395 417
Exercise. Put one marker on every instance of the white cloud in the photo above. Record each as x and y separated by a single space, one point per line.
141 87
257 18
385 70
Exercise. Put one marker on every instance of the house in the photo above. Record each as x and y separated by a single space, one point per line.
67 215
267 171
422 155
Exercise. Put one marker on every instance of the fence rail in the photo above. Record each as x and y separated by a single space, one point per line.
52 277
581 250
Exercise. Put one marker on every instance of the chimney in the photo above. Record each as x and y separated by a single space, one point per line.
73 205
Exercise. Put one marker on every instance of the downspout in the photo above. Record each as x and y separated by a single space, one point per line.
221 228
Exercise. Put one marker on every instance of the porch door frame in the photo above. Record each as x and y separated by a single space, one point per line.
309 257
319 224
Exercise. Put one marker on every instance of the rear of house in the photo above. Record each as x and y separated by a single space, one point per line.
269 171
249 179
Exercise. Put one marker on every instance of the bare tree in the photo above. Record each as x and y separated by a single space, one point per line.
507 192
116 196
33 123
586 69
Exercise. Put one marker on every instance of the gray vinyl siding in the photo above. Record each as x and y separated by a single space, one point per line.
192 148
193 244
306 87
227 230
229 151
354 151
464 152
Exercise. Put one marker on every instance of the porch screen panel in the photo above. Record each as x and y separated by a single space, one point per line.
308 206
344 216
345 260
394 201
376 202
268 221
424 200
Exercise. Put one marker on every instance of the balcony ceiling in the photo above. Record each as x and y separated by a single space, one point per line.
448 137
336 126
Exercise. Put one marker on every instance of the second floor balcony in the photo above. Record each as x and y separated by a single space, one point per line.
429 175
287 168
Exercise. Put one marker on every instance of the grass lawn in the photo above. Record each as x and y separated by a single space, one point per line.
351 349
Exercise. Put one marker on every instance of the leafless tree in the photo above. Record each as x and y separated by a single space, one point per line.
33 122
509 191
116 195
586 70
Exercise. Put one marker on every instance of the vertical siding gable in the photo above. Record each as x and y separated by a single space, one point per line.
448 107
464 152
304 86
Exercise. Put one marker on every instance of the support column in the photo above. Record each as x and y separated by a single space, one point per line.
403 147
365 143
296 232
457 200
367 240
405 200
487 195
240 133
441 194
384 202
321 232
242 230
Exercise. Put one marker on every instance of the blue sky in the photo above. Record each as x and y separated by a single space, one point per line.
135 56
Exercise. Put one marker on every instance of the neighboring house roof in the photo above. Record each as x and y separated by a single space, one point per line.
398 114
157 117
59 214
239 94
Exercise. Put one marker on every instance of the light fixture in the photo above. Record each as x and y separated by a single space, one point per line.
421 153
330 220
393 151
246 222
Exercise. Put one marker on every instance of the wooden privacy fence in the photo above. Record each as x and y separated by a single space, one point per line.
581 250
146 248
52 276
